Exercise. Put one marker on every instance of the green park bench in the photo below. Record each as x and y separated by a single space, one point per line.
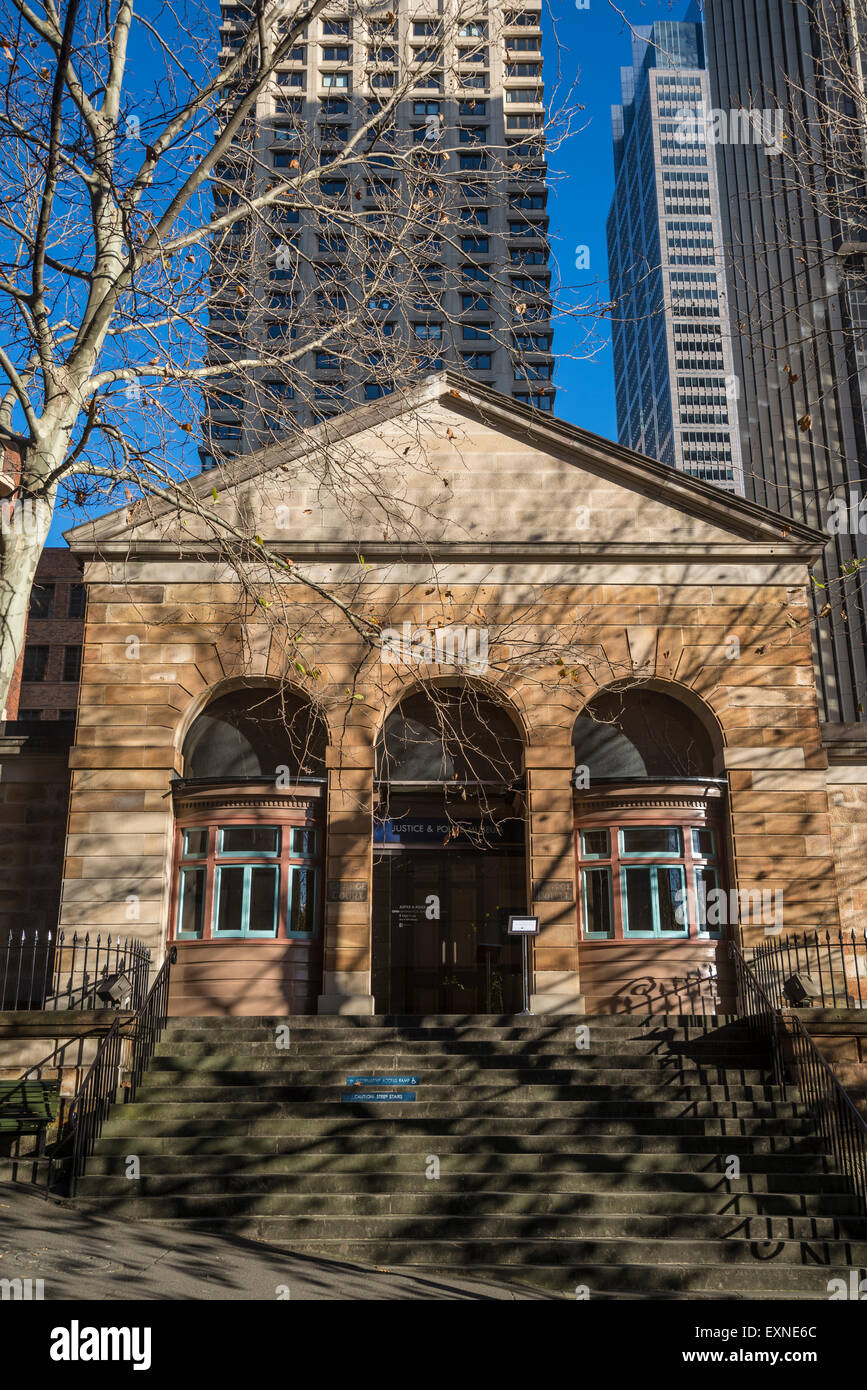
28 1107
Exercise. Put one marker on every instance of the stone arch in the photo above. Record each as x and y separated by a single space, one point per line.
244 725
508 699
501 755
695 748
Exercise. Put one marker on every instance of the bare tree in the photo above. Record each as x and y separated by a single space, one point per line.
153 290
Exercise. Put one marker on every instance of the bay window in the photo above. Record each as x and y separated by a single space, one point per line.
645 880
247 880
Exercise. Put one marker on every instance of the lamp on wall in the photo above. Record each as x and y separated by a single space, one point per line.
800 990
114 989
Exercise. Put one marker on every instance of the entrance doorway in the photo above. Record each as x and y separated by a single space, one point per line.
449 856
439 929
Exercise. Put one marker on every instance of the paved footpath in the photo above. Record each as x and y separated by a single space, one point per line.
80 1256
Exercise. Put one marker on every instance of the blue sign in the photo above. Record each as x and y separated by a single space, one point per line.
382 1080
364 1096
439 830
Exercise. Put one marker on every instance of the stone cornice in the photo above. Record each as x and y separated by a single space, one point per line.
384 553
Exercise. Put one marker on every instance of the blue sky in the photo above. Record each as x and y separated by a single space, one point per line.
594 44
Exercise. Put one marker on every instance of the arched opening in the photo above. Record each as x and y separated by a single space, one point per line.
651 852
449 855
640 733
253 732
247 897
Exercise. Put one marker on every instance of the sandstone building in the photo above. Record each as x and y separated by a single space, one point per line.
593 701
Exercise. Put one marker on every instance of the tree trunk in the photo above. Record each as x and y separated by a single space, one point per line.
24 526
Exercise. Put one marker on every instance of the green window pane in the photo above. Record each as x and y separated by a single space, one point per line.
262 907
305 843
595 844
250 839
230 900
651 839
302 900
597 901
195 843
191 908
638 899
671 900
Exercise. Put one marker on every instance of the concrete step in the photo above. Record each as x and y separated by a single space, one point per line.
293 1195
401 1058
726 1264
550 1118
373 1143
269 1090
250 1070
722 1233
317 1171
430 1025
608 1281
342 1044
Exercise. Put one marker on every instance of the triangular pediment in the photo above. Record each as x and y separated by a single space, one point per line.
447 464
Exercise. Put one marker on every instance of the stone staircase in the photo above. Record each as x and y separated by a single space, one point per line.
600 1166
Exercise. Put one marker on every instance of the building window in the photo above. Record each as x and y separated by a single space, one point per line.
29 716
71 663
35 663
66 714
41 600
649 880
247 880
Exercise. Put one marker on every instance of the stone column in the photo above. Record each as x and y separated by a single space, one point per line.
346 987
551 868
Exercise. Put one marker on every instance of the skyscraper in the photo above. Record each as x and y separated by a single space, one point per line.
427 249
675 389
796 303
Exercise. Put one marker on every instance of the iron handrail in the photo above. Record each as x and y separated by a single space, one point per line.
837 1118
98 1091
753 1002
841 1123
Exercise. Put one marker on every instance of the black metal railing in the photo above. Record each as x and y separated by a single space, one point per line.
836 963
758 1011
837 1120
119 1063
841 1125
50 970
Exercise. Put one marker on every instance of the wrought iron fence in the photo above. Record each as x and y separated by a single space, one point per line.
119 1064
51 970
836 963
837 1120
